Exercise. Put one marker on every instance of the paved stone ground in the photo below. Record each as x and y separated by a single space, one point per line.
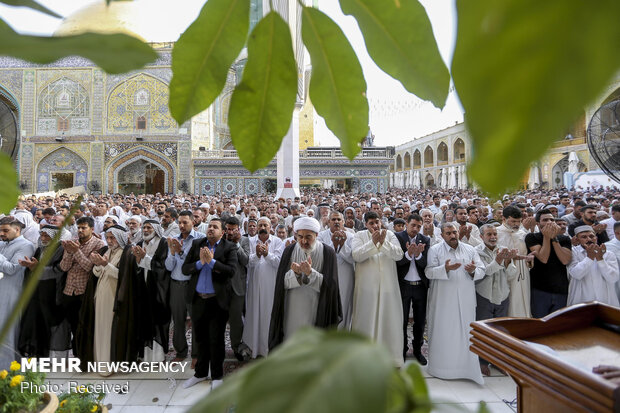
153 392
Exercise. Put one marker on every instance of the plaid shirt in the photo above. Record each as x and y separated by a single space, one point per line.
78 266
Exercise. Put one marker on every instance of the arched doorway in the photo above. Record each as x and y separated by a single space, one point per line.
61 169
141 177
429 181
9 128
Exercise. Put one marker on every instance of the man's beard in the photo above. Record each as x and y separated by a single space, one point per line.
263 232
149 237
160 213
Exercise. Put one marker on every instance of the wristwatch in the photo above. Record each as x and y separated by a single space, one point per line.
555 239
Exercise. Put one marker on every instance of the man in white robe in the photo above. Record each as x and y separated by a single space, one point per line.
341 241
377 304
468 232
265 253
452 269
14 247
592 272
613 246
510 235
428 227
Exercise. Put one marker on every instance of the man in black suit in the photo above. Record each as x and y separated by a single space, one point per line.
238 284
413 283
211 263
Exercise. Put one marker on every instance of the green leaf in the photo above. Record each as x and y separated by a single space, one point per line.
9 190
114 53
337 86
399 38
408 391
224 397
202 55
32 5
483 408
342 372
261 107
524 70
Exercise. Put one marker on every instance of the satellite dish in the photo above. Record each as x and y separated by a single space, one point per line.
604 138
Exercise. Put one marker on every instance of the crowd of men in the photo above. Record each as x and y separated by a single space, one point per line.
131 268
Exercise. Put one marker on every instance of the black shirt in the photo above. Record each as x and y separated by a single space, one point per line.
550 277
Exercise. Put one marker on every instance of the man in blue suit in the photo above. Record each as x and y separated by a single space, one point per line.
413 283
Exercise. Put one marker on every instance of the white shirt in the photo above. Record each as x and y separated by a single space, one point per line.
610 227
412 274
591 280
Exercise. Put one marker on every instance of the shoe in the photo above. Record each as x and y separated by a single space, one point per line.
194 361
215 384
421 359
192 381
485 369
238 356
246 354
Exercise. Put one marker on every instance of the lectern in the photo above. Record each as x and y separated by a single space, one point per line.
551 358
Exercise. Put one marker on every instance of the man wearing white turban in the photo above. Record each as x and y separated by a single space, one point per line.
306 292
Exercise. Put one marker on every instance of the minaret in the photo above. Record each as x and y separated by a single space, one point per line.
288 155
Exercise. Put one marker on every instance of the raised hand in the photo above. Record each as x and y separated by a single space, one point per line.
600 251
591 251
138 252
452 267
71 246
428 230
31 263
338 239
205 255
471 267
501 256
376 237
598 228
306 266
529 223
296 268
415 249
463 231
383 235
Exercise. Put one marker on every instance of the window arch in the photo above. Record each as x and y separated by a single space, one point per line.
428 156
140 103
417 159
63 105
407 160
459 150
442 153
399 163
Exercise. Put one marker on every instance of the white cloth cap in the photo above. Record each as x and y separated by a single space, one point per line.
308 223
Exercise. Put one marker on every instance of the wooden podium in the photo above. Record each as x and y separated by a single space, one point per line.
551 358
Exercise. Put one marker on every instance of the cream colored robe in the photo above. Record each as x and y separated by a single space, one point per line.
104 305
377 304
519 305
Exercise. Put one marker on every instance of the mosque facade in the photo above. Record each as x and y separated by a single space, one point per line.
69 124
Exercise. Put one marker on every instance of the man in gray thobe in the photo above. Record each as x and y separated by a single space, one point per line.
13 248
492 290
